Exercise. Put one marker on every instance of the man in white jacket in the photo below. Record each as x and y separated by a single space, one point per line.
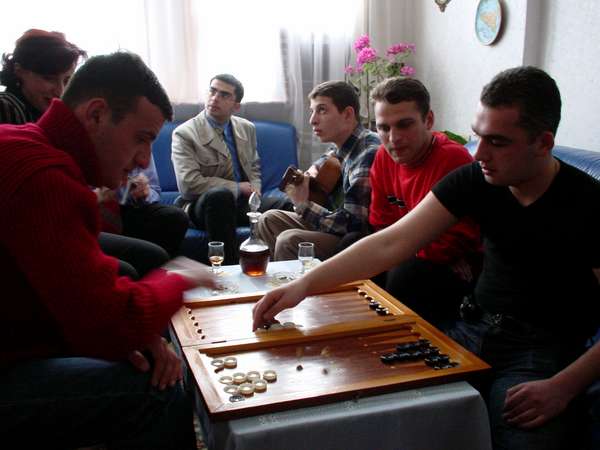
217 165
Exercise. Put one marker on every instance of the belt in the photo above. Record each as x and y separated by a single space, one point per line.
470 311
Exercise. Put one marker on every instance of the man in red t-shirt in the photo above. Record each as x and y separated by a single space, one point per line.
411 159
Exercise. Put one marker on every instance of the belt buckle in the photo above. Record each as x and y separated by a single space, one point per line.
469 311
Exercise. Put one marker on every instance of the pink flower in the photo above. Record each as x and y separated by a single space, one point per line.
366 55
407 71
362 42
400 48
350 70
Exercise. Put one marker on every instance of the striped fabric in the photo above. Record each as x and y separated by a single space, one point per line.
356 156
14 110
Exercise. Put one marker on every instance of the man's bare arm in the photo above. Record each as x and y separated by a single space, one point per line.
369 256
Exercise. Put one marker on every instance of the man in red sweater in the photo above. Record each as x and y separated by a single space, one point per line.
82 360
411 159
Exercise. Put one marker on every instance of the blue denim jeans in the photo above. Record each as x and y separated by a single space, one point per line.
74 402
519 356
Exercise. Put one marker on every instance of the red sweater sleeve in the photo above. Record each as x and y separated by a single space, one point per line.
53 231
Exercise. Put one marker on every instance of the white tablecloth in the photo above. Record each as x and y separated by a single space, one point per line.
233 275
445 417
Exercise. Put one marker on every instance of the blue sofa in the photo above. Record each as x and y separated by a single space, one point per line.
277 148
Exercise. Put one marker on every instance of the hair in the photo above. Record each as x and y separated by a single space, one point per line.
121 79
532 91
41 52
398 89
342 95
230 79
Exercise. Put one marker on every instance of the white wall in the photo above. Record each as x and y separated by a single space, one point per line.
571 53
559 36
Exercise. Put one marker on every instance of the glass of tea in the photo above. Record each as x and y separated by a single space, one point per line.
216 255
306 253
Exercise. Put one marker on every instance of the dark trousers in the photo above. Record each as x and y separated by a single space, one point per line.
136 257
218 212
63 403
164 225
432 290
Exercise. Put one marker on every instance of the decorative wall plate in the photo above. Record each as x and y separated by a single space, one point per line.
488 20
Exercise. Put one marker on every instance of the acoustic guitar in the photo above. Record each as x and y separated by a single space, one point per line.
320 186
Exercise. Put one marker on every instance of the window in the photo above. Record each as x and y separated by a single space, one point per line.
186 42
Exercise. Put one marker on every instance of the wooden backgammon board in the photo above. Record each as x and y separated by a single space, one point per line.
354 340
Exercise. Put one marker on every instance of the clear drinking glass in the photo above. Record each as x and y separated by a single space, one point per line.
306 253
216 255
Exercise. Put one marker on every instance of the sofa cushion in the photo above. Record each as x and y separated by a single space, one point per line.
161 150
276 143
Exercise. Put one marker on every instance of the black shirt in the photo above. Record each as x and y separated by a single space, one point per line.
538 259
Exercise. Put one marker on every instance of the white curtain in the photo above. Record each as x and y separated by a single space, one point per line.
172 47
279 49
313 52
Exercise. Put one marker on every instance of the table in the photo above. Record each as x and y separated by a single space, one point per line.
233 274
447 416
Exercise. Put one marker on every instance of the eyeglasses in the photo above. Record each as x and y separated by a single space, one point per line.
222 94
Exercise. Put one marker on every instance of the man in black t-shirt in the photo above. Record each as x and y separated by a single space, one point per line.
537 298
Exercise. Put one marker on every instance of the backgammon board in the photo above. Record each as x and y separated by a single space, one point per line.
354 340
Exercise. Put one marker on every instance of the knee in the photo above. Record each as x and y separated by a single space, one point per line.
273 220
178 219
149 256
286 245
267 217
220 197
217 204
127 270
159 254
264 227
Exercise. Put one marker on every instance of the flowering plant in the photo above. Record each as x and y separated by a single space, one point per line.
371 68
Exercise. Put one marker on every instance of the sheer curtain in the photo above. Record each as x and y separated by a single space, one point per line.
279 49
316 49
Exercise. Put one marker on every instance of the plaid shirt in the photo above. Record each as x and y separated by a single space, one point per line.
356 156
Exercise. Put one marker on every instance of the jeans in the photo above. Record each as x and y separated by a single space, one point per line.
74 402
519 356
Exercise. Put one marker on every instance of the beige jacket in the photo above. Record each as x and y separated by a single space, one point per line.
202 160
